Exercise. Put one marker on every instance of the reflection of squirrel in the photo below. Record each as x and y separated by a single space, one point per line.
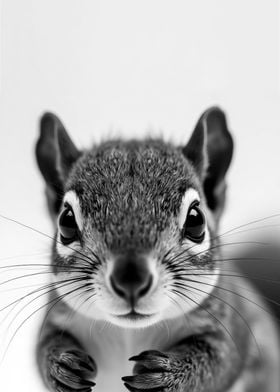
136 269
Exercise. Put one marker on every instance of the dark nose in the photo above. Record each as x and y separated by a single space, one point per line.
131 278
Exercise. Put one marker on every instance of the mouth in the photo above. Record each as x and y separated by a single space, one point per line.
135 316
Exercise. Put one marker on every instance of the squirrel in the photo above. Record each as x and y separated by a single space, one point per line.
139 300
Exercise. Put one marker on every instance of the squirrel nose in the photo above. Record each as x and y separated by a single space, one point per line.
131 280
131 291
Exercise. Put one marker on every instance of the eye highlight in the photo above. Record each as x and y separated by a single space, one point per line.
67 225
194 226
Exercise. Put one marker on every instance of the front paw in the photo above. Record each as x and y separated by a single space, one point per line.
156 372
69 371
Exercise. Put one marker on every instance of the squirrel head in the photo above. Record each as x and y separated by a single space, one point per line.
136 219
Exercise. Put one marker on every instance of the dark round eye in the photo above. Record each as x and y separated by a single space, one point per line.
194 227
67 226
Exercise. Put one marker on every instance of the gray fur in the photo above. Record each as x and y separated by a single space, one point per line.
131 189
130 193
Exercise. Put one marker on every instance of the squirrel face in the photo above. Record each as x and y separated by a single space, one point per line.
139 218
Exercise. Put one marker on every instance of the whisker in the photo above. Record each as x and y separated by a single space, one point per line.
20 287
225 273
21 256
57 299
32 275
45 235
68 318
178 257
245 258
183 295
222 272
182 286
249 224
241 296
250 230
53 287
180 308
165 323
27 265
36 291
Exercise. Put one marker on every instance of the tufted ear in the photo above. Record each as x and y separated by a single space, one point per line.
210 150
55 153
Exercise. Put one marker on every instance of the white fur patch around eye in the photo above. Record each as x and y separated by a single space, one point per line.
190 196
72 199
68 250
198 248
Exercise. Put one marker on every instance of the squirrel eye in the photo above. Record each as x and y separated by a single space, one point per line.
67 226
194 227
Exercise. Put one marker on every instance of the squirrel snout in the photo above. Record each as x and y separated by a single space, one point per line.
130 278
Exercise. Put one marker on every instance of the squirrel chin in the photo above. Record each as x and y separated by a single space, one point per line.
134 320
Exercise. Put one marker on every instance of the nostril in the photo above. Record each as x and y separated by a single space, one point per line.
118 289
129 289
144 289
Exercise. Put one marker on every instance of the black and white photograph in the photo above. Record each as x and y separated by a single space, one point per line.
140 196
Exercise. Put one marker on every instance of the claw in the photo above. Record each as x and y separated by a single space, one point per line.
152 361
60 387
132 389
68 377
146 380
135 358
128 378
148 354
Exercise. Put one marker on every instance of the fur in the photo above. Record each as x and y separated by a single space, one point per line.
193 332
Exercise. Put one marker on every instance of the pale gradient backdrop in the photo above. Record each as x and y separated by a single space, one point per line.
130 68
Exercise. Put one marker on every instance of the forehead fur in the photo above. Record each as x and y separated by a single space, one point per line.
131 189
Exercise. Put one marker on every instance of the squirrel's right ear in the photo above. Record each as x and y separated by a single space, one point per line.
55 153
210 150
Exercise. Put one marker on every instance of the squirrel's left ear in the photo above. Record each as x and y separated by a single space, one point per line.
55 153
210 150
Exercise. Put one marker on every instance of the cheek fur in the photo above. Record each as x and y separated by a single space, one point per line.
189 283
166 300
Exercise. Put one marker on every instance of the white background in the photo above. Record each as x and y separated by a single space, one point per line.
131 68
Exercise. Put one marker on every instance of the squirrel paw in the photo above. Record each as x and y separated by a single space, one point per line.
69 371
155 372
